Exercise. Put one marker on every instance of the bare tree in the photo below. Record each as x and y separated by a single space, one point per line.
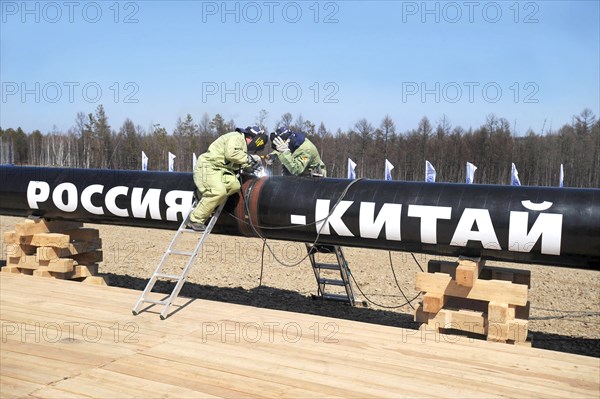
298 123
491 123
365 131
492 147
261 119
218 125
285 121
443 127
584 121
103 136
388 128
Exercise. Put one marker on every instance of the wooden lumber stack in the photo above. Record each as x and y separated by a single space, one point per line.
55 249
477 300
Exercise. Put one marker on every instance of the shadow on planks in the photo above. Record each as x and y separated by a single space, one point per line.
280 299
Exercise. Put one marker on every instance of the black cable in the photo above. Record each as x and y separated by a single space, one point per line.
342 195
262 263
408 301
292 226
376 304
417 262
398 284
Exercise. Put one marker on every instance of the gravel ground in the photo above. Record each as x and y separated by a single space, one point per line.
565 303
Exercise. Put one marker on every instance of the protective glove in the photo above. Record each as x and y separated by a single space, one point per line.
268 161
281 145
253 164
253 159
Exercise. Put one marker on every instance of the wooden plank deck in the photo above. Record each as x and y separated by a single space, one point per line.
63 339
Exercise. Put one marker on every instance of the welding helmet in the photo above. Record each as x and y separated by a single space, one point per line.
296 140
282 132
258 143
250 131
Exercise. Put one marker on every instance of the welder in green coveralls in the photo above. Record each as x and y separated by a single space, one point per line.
216 169
297 154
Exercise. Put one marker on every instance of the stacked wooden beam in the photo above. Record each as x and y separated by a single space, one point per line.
55 249
469 297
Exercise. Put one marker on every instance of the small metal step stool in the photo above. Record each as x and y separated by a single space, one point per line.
341 266
180 278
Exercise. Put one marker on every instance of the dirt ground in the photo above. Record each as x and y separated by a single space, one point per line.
565 303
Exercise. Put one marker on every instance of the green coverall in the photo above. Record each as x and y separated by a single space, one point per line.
303 161
215 171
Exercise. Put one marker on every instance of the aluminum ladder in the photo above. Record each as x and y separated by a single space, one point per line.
171 251
323 278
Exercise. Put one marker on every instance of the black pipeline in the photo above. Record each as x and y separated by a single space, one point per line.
555 226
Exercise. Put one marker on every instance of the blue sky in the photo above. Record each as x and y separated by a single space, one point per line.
531 62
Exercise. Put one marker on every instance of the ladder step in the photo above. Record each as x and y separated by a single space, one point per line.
154 301
325 252
184 253
328 281
336 297
327 266
179 278
169 276
324 249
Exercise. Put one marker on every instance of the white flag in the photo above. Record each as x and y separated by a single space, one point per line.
144 161
351 172
429 172
171 161
561 176
514 176
388 170
194 160
470 172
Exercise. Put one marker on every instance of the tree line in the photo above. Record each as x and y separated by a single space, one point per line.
93 143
